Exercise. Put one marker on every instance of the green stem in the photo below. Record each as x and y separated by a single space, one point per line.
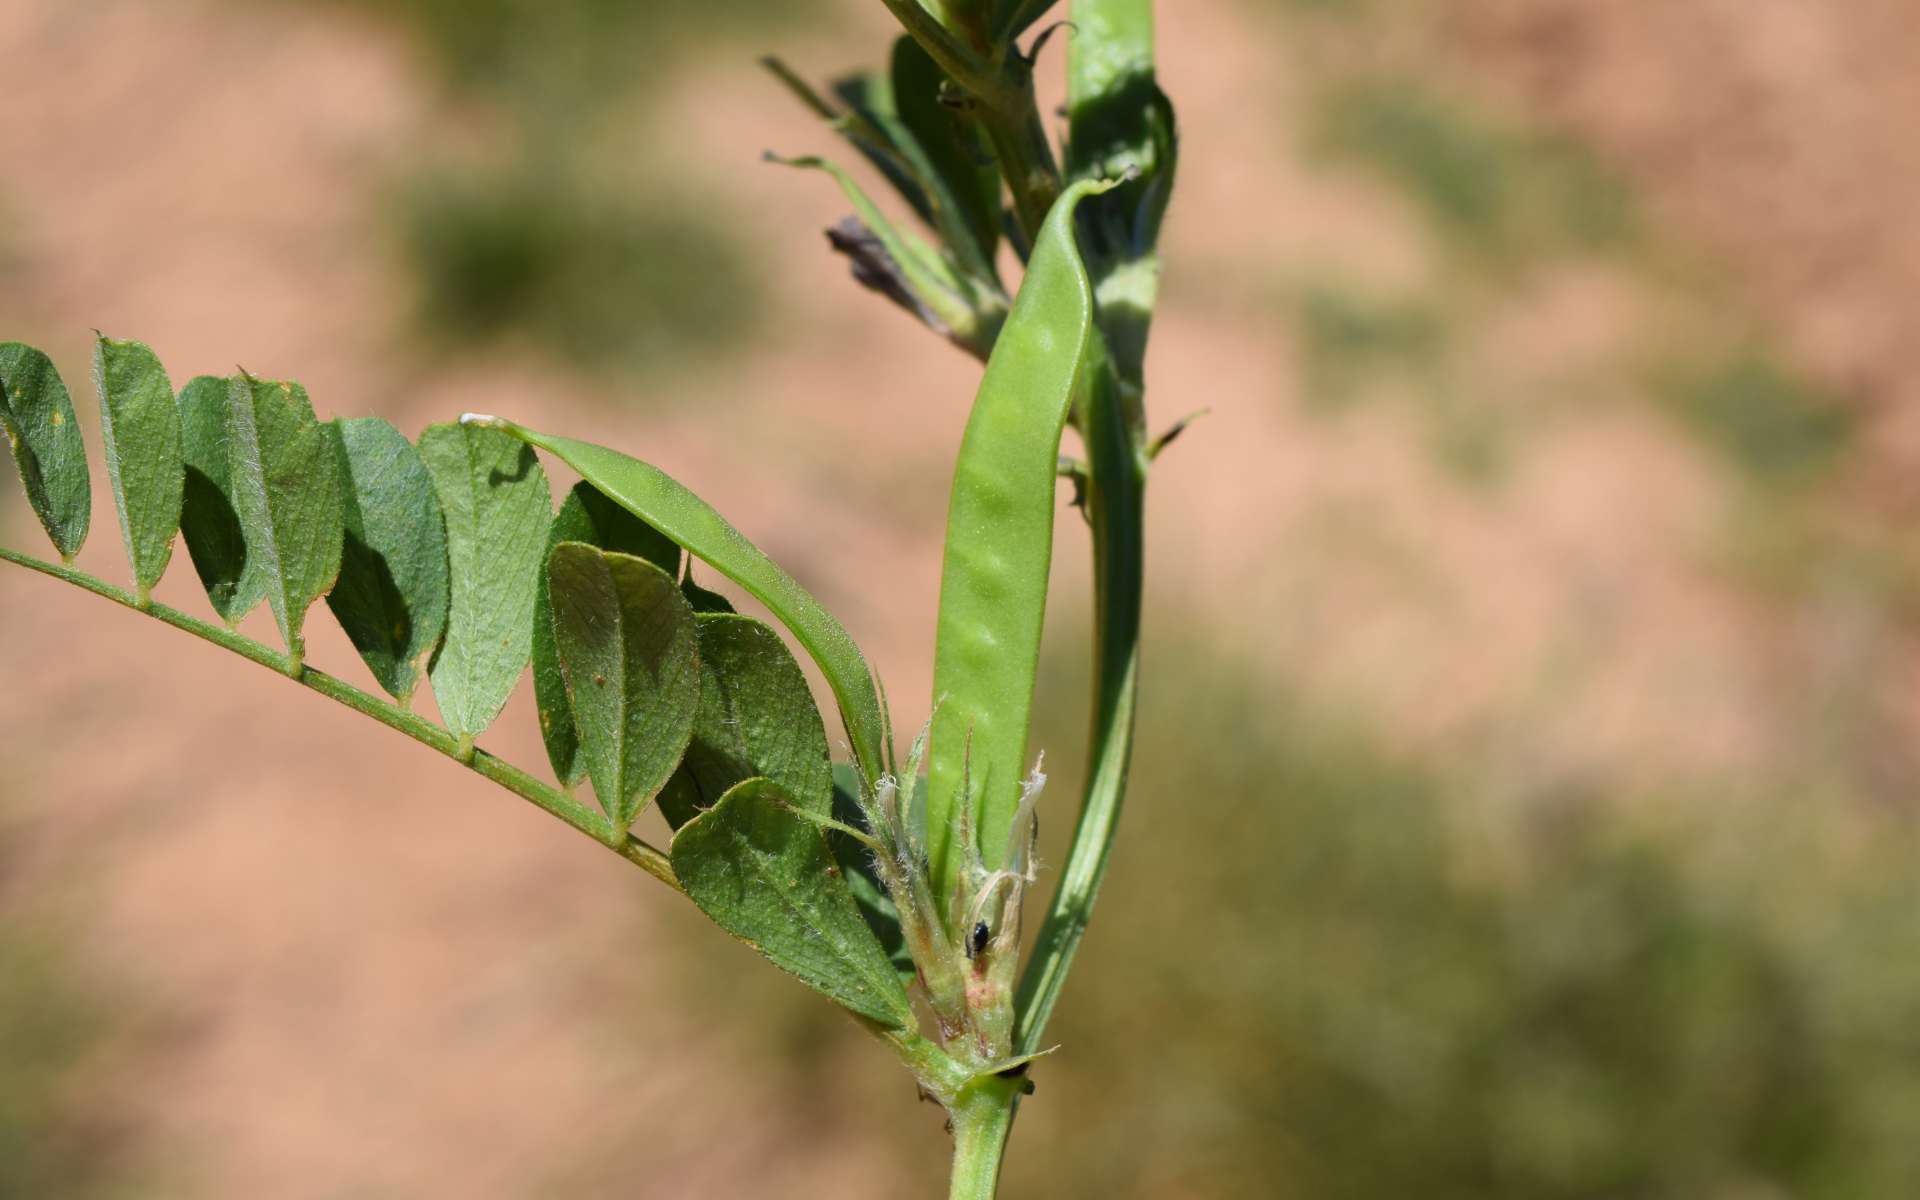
979 1106
1115 502
943 1076
508 776
1112 52
982 1117
959 62
1026 158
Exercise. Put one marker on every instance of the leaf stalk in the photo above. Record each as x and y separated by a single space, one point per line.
498 771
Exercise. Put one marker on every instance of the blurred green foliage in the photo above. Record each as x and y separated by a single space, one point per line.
56 1139
1354 342
589 275
10 495
1349 338
1325 968
574 54
542 231
1504 194
50 1026
1762 417
1502 200
9 234
1322 970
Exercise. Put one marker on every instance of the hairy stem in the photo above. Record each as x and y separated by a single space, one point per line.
508 776
982 1117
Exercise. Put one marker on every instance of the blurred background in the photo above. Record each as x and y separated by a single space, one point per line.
1526 789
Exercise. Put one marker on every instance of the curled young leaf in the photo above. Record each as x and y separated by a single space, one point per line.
934 157
140 428
286 492
625 639
903 267
590 518
36 415
497 507
766 876
392 595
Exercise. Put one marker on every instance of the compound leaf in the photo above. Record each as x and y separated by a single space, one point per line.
140 427
667 505
766 876
36 414
392 594
497 507
591 518
286 492
231 573
627 647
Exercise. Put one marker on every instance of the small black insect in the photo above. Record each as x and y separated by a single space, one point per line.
977 941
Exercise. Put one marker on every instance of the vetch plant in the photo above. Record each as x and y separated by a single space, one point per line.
898 896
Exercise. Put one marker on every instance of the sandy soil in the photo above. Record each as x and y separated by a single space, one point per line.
1777 135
